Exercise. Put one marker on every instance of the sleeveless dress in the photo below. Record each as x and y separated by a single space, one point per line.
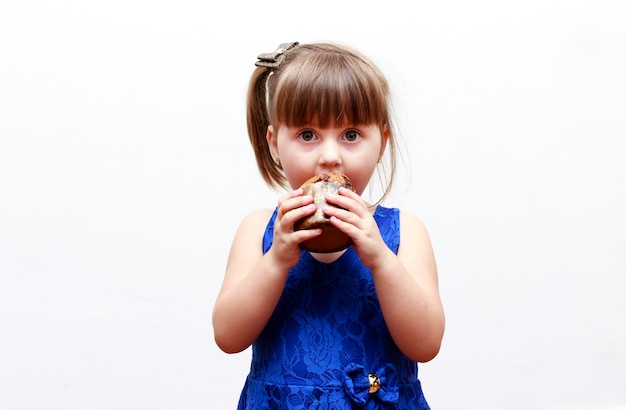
327 335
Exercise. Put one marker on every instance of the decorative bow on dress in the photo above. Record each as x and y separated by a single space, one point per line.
361 385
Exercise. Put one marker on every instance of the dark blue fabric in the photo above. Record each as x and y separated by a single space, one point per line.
326 334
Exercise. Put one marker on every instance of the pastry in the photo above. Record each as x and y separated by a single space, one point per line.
331 239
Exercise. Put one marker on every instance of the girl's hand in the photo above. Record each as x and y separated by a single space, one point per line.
356 221
292 207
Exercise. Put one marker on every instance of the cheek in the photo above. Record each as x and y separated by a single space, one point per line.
360 178
297 173
366 170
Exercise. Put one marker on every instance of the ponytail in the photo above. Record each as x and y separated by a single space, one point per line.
258 121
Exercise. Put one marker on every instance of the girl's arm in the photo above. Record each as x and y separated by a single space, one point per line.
250 290
406 283
254 281
408 292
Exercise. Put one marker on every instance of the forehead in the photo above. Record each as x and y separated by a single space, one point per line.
330 93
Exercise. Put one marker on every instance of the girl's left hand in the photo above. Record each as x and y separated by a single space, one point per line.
352 215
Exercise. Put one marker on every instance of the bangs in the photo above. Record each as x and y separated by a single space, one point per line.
330 89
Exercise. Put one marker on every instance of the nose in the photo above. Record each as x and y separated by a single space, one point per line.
330 155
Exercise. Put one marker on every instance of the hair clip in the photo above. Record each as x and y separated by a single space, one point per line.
274 59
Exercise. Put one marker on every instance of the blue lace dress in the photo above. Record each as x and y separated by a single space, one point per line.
327 338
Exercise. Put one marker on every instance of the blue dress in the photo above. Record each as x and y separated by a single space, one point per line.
327 335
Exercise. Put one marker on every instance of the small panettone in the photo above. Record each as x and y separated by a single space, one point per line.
331 238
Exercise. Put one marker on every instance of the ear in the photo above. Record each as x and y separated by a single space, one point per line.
272 143
384 139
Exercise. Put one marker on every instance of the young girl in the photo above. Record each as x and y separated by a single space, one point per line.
339 330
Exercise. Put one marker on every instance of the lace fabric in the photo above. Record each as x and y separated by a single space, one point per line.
326 335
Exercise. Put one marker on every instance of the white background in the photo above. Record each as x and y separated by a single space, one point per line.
125 170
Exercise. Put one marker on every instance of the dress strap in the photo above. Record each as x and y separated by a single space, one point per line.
388 220
268 236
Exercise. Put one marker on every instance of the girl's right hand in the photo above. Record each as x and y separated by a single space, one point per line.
292 207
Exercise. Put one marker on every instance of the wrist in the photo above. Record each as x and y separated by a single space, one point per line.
280 262
384 260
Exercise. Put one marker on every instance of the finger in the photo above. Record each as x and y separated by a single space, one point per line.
351 202
289 195
306 234
343 216
346 226
290 217
295 203
293 200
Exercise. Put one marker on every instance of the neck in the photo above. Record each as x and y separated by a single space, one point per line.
327 257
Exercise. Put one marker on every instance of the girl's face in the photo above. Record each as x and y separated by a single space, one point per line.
304 152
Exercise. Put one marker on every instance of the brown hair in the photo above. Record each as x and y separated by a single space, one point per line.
323 84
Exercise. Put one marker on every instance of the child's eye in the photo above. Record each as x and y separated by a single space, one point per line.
307 135
352 136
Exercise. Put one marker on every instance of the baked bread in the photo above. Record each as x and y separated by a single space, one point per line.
331 239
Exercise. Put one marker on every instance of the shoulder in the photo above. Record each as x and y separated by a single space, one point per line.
408 221
411 221
248 239
258 215
416 250
246 247
255 221
413 232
